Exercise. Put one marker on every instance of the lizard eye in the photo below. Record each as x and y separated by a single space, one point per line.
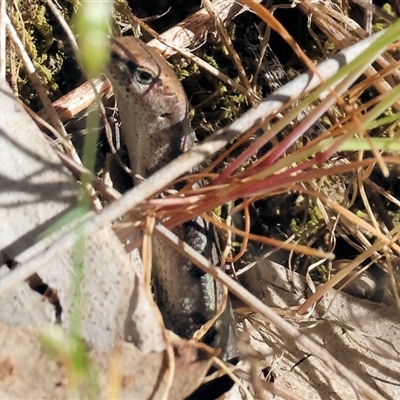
144 76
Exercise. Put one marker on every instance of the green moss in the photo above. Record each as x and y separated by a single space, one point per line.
214 104
304 231
37 29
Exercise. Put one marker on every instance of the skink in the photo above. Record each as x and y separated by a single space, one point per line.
153 109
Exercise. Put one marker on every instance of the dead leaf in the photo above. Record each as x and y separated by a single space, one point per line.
36 192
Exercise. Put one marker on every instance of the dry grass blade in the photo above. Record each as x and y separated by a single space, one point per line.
228 43
41 90
78 100
185 162
270 20
269 241
342 274
3 39
343 31
196 26
50 109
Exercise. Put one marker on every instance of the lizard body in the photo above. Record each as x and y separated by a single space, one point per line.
153 109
